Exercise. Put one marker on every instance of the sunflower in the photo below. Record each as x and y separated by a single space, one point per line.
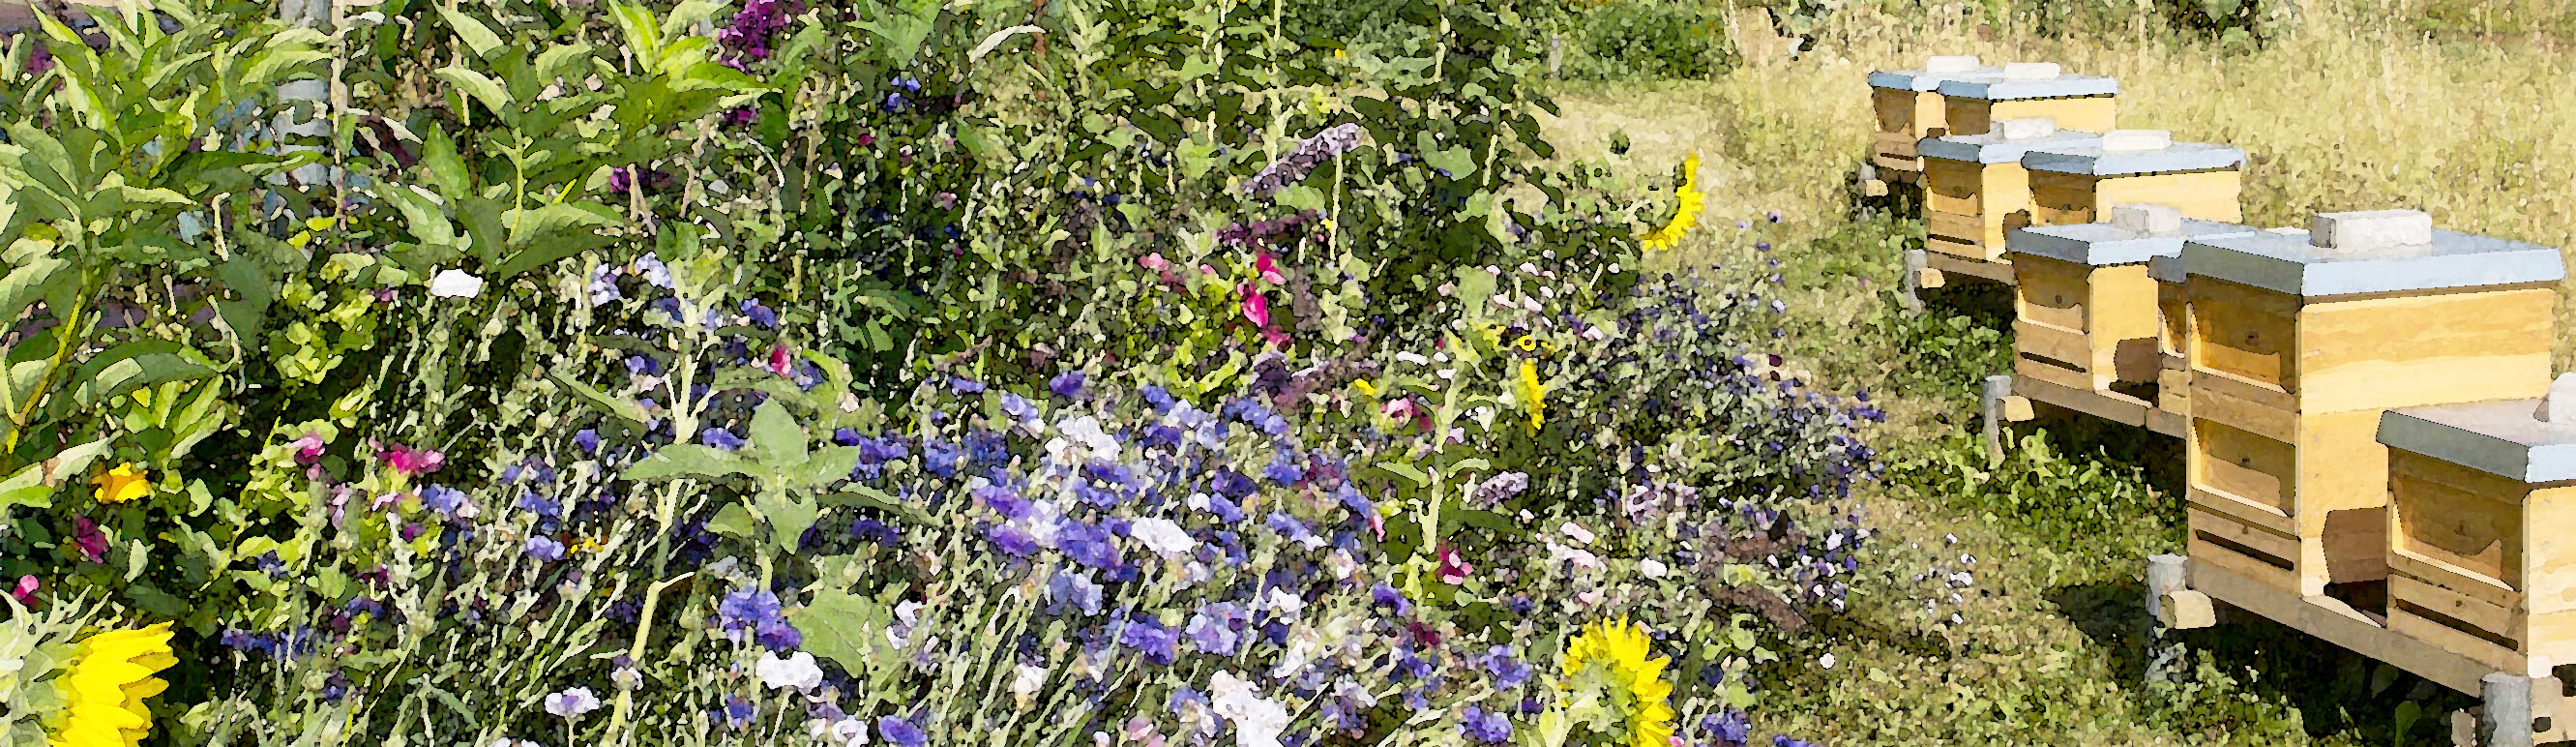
1621 650
1685 213
104 691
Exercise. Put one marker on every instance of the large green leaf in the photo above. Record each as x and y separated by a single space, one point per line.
25 283
774 432
132 366
624 409
479 86
846 628
476 36
691 460
34 484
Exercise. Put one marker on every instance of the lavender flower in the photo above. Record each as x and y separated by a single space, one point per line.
1312 152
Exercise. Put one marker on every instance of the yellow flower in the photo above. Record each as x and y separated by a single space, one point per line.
1685 212
1366 388
1622 648
588 544
1532 393
122 484
110 676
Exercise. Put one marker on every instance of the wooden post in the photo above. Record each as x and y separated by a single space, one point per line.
1997 389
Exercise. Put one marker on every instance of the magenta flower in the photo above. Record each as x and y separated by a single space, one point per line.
1453 569
25 591
411 461
1255 307
779 361
92 542
1269 270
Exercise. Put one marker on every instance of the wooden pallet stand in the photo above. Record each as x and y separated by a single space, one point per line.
2518 709
2029 90
2078 183
2085 312
1909 108
2297 344
1975 192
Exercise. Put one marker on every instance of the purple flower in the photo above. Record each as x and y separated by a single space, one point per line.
720 438
1010 540
1216 628
1383 595
1730 727
1069 590
759 314
1158 643
1067 385
1509 672
1486 727
901 733
442 499
545 548
1086 544
587 440
737 711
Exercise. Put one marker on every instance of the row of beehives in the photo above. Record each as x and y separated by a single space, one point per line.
2367 404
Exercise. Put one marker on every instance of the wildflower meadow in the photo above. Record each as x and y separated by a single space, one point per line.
517 373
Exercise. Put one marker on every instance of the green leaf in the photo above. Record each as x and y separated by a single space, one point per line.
34 484
25 283
776 435
480 87
442 167
734 521
1408 472
861 496
132 366
846 628
622 409
788 518
692 460
476 36
829 464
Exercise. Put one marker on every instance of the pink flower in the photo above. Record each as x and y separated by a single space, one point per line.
1255 306
1453 569
1269 270
1155 262
778 361
307 449
25 591
410 461
92 542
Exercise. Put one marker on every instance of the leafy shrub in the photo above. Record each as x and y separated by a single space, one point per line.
1649 38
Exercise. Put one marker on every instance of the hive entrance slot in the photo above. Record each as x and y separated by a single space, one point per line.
2457 624
2246 550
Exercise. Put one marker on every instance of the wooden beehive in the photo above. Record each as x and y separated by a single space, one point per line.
1974 188
2298 343
2075 184
1971 106
2481 498
2085 311
1909 109
2173 369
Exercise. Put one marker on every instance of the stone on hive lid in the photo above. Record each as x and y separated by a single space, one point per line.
2147 219
2106 244
1999 146
2293 263
2371 229
2560 406
2517 439
1935 71
2002 85
2121 152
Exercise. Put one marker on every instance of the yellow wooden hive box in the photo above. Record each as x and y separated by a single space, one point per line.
2481 558
2173 369
2297 344
1974 188
2085 313
2029 90
2075 184
1909 108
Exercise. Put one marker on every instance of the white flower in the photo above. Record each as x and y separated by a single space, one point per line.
1257 722
1827 661
1284 603
1025 682
1651 567
1162 536
455 284
850 732
571 704
1580 558
797 672
1576 532
1413 358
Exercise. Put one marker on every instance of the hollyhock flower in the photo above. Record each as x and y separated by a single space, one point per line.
797 672
1453 569
410 461
572 704
87 537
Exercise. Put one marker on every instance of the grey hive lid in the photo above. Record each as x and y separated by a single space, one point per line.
1993 147
1998 88
2090 159
2101 244
2165 268
2503 437
2288 263
1925 80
